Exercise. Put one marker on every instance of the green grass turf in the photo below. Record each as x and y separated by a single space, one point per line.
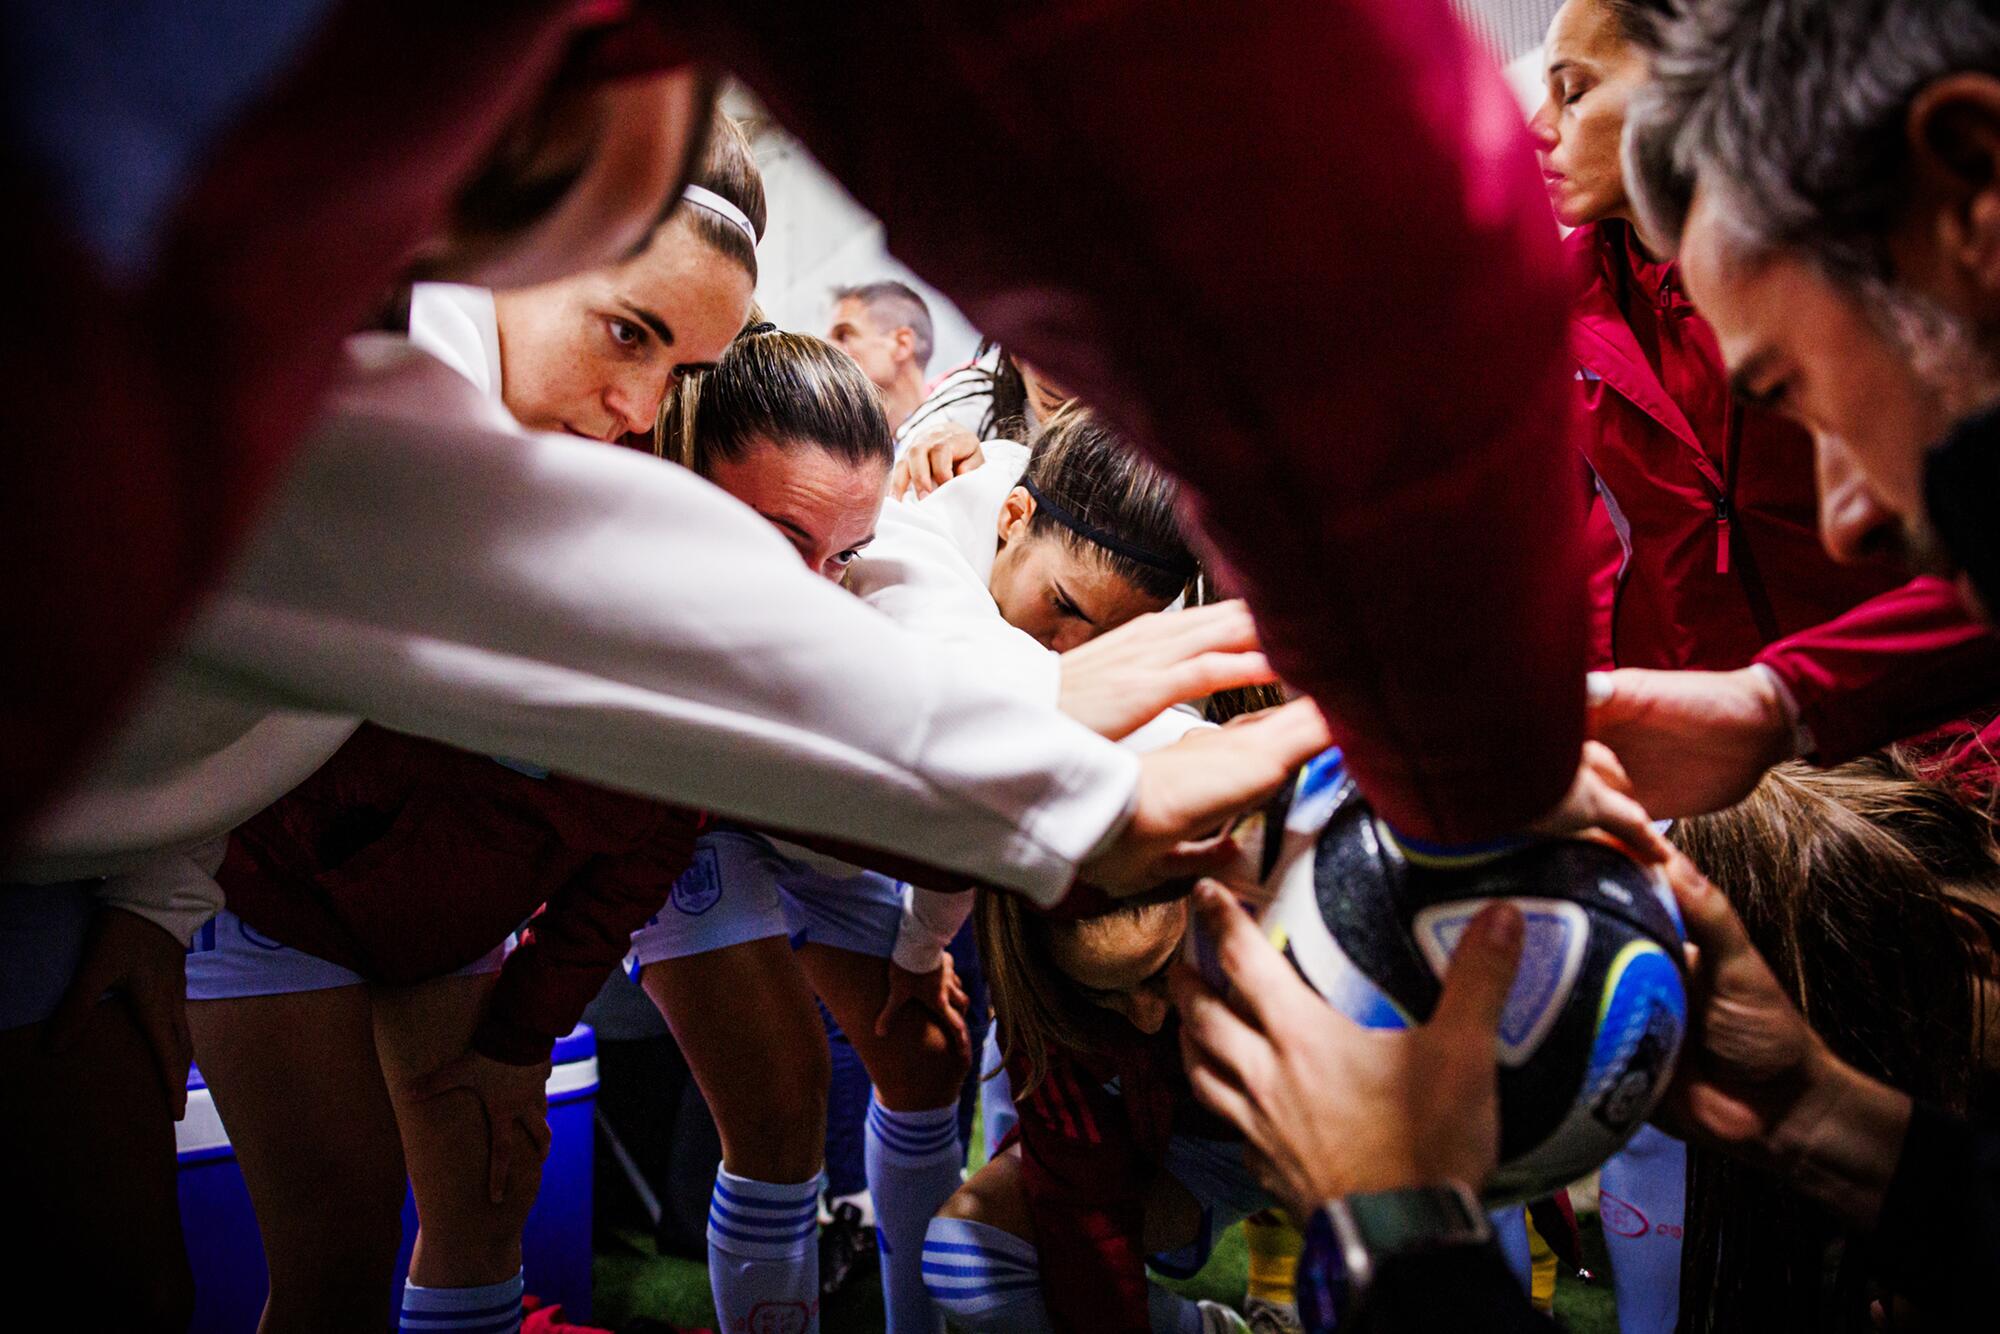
630 1280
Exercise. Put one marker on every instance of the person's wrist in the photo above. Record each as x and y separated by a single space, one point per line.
1839 1141
1785 735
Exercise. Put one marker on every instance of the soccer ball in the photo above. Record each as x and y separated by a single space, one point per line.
1595 1019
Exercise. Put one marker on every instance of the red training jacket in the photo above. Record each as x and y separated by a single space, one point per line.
404 859
1093 1135
1705 528
1311 271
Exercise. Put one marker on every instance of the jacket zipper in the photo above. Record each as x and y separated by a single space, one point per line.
1722 534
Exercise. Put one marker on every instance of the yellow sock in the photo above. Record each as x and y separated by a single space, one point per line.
1541 1270
1275 1244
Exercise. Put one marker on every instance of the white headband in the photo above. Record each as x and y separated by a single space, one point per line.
722 208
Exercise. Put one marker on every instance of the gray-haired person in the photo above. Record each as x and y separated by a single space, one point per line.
886 327
1828 173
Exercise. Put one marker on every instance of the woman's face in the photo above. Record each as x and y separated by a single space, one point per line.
1045 397
1592 72
594 354
1054 590
1120 963
825 506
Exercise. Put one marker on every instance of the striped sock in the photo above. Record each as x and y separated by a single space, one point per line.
494 1308
984 1278
913 1168
763 1256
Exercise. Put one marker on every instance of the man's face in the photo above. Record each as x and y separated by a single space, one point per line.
1876 382
855 331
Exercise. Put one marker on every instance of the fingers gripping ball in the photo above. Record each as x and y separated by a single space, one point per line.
1594 1022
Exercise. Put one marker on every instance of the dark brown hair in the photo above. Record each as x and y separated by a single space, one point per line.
1858 884
1098 495
791 389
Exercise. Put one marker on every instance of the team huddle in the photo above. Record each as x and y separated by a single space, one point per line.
1380 779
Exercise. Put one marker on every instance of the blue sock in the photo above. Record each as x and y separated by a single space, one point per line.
913 1168
984 1278
1642 1199
1510 1229
494 1308
996 1096
763 1253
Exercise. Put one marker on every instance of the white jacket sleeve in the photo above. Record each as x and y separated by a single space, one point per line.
932 917
930 920
175 892
596 611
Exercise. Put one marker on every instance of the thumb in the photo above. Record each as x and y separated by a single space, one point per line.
1482 973
1712 925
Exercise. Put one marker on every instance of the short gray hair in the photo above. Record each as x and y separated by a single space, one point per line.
1794 111
899 307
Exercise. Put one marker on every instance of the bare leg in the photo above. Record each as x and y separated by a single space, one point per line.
90 1179
915 1065
744 1018
464 1240
299 1087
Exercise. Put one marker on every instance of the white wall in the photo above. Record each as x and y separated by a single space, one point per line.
818 238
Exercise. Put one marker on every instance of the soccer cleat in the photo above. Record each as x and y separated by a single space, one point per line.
846 1248
1266 1317
1219 1319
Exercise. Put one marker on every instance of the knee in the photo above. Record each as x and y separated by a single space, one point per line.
781 1136
964 1205
927 1072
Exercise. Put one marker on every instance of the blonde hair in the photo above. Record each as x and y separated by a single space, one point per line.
1036 1006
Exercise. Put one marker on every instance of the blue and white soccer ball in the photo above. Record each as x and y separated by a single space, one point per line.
1594 1023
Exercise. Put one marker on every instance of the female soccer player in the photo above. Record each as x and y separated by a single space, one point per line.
1115 1166
370 909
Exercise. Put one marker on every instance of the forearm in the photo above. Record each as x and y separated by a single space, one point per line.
1378 516
1838 1140
1889 669
620 620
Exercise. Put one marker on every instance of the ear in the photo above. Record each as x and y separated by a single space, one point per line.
1015 511
1954 136
906 343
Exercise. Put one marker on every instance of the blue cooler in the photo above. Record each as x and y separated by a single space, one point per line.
228 1261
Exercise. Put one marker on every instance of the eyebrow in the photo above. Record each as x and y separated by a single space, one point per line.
650 320
791 526
1560 66
1074 607
1743 377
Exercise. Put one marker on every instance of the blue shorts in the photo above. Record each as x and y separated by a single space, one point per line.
230 959
740 888
1214 1173
42 933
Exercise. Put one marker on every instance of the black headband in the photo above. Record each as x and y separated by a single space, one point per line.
1183 567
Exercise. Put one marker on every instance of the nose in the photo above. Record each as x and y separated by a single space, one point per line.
634 405
1851 514
831 570
1542 128
1147 1009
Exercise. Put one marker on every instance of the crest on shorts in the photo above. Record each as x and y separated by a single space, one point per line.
699 886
